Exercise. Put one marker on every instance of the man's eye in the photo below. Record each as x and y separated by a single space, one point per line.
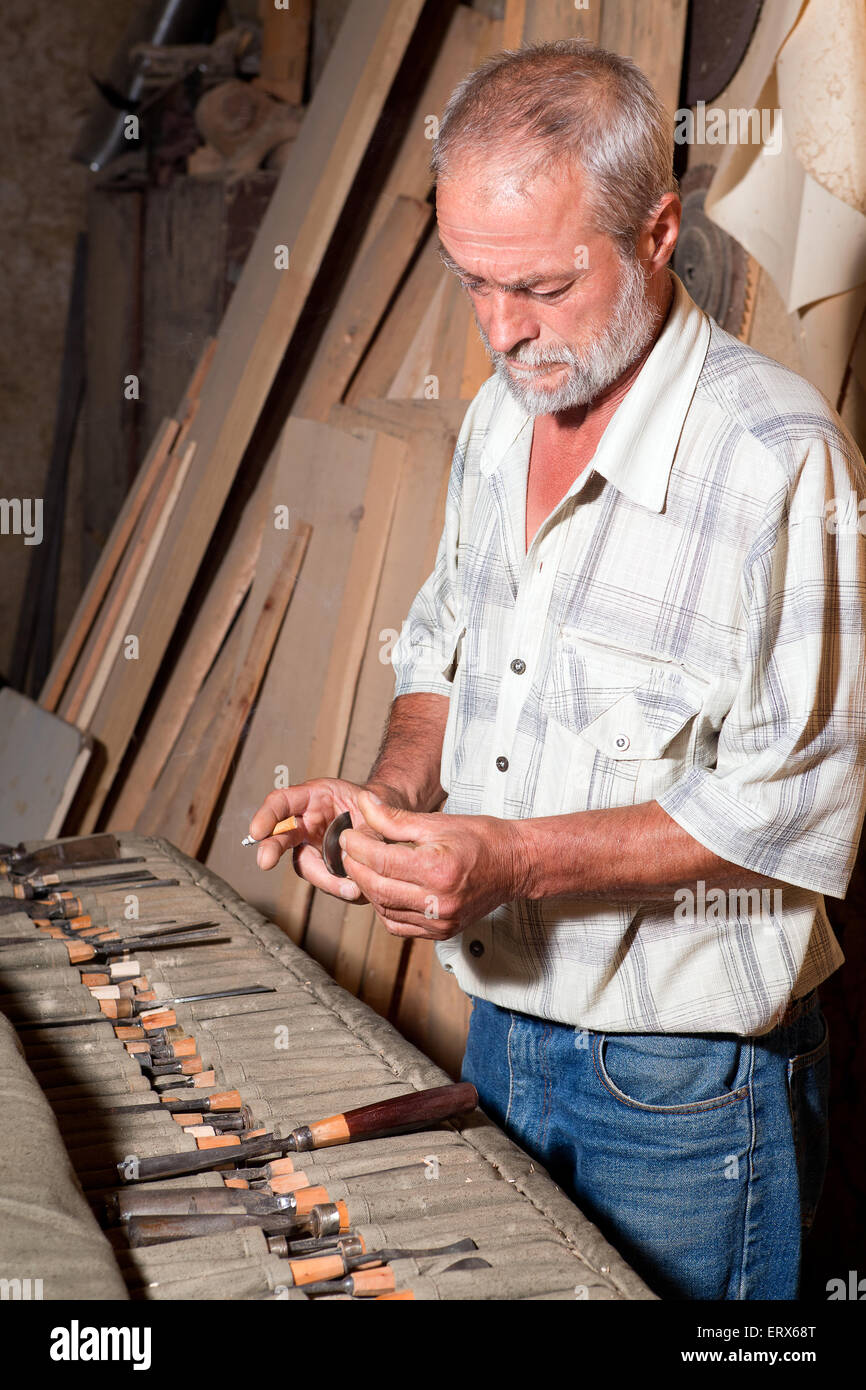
550 294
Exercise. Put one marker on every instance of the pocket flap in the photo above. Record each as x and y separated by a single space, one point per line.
642 723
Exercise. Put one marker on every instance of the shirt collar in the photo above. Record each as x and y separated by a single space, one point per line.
636 451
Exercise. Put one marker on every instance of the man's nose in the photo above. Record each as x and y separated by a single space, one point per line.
506 321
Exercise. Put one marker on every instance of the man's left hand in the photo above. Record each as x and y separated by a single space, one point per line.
439 874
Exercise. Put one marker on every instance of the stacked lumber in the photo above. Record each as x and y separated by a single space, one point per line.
234 635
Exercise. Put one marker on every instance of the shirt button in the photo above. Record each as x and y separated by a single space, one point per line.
450 969
502 764
518 666
476 948
623 741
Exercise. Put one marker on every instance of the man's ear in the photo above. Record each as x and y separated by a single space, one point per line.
659 236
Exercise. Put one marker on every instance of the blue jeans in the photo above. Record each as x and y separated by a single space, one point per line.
700 1157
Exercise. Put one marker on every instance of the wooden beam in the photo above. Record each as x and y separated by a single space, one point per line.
653 35
221 604
199 792
264 310
85 614
366 294
541 21
321 474
388 351
104 645
160 812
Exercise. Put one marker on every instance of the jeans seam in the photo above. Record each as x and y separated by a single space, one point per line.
510 1070
750 1173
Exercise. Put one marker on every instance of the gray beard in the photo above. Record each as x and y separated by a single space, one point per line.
590 370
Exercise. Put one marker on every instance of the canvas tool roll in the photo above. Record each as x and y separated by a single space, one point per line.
108 1061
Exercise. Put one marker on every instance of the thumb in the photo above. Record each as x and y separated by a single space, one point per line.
392 822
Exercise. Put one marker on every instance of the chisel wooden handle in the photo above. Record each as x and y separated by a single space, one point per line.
412 1111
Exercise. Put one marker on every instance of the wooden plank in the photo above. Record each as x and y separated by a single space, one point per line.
470 37
285 44
321 473
327 747
384 955
42 760
413 377
369 287
84 687
113 655
160 810
477 366
337 931
653 34
450 342
386 356
448 1021
199 792
412 1013
400 417
541 21
124 526
222 602
261 316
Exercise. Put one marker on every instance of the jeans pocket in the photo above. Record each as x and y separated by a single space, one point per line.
808 1096
674 1074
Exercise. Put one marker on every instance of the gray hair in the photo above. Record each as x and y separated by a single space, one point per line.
550 106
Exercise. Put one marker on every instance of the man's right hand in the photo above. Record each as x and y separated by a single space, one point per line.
314 804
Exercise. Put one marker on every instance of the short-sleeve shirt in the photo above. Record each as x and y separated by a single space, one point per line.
687 627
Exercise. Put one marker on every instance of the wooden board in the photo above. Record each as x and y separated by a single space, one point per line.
322 473
414 378
218 611
106 652
653 35
302 216
388 352
371 283
199 791
349 940
470 37
42 760
160 811
327 746
540 21
97 587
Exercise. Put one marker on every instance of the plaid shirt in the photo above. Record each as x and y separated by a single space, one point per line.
687 628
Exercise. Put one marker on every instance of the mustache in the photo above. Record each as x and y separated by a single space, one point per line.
529 356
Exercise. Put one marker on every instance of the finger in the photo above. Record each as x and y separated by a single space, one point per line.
310 865
271 850
386 892
277 806
393 822
407 863
410 924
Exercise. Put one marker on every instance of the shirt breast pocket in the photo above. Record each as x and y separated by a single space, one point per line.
621 727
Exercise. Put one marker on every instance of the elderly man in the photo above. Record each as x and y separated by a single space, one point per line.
636 673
